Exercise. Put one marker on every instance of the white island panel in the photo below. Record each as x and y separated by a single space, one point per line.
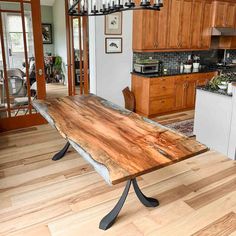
232 139
212 122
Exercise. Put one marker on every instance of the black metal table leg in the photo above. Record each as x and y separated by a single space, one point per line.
146 201
62 153
110 218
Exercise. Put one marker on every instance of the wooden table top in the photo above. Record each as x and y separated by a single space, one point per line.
126 144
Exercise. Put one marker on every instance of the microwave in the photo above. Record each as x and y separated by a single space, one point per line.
147 68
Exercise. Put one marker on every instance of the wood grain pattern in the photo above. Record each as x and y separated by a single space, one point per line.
212 194
127 144
222 227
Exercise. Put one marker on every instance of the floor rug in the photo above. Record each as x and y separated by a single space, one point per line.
184 127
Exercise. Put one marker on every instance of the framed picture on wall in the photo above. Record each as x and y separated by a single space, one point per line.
113 24
113 45
47 33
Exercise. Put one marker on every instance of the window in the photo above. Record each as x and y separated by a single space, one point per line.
15 32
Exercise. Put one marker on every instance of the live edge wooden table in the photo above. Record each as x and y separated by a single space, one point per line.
119 144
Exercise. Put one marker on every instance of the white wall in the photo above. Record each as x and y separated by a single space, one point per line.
110 73
47 18
59 22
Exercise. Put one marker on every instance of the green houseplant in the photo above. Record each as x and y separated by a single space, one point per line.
218 80
58 71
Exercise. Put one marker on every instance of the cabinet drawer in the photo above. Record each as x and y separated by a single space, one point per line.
162 81
161 90
162 105
198 76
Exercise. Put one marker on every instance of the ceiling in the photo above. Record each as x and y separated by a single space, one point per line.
47 2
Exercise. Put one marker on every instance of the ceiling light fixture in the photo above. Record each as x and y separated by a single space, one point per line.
105 7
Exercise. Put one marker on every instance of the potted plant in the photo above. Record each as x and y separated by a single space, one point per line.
57 67
219 82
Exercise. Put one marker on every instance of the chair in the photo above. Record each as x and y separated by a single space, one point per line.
16 82
129 99
23 101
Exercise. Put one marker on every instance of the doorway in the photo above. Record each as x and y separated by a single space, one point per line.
66 54
21 63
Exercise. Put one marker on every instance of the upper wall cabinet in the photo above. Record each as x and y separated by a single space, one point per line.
150 29
180 25
224 14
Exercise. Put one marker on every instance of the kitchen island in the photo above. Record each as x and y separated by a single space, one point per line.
215 120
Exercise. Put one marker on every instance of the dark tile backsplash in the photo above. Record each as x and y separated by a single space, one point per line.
172 60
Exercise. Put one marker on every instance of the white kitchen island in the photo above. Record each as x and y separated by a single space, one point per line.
215 121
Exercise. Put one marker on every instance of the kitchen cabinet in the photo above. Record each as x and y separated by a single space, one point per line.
224 14
167 94
180 25
206 25
180 93
150 29
144 24
162 26
196 26
174 24
190 93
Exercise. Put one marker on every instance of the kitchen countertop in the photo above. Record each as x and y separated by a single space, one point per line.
220 91
173 72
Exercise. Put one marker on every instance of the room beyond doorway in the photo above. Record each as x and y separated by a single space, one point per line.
64 50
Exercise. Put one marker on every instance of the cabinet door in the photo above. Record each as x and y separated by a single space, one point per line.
220 11
230 15
206 25
174 24
233 43
185 27
162 26
180 98
197 21
144 30
191 94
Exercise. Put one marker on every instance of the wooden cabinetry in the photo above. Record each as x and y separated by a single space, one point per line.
206 25
224 14
196 26
150 29
167 94
181 24
174 24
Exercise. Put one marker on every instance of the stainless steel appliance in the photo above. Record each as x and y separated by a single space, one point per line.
146 68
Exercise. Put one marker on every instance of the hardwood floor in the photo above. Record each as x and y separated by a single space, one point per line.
55 90
39 197
175 117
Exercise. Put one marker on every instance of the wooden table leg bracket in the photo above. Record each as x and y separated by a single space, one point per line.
110 218
61 153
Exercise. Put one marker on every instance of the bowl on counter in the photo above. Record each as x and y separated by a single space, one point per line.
187 67
196 65
223 86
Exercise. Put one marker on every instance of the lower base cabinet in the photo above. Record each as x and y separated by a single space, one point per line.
160 95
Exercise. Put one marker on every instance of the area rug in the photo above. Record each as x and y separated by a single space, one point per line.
184 127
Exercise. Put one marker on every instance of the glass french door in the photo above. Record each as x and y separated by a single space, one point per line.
22 77
77 53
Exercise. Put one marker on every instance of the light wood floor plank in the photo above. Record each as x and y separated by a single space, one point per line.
40 197
221 227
